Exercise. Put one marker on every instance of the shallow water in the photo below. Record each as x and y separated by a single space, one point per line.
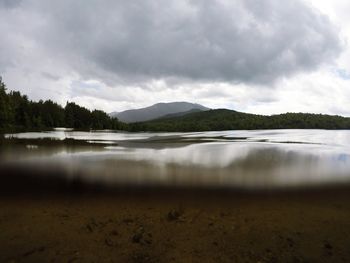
237 159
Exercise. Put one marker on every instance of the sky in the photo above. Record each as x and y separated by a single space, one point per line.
264 57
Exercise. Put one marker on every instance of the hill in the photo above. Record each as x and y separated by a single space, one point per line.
223 119
156 111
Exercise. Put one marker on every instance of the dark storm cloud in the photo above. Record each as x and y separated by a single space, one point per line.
248 41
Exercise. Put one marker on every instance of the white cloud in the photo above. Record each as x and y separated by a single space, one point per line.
260 57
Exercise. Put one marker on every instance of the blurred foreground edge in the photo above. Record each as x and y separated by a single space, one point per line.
21 181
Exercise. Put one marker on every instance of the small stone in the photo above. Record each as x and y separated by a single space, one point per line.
173 215
140 257
73 259
223 214
128 220
290 241
137 237
148 241
114 233
89 228
109 242
328 246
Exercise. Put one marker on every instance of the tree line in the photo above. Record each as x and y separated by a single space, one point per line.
223 119
18 113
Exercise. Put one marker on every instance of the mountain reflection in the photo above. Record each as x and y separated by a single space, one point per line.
245 159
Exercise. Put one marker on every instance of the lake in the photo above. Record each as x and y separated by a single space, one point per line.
259 159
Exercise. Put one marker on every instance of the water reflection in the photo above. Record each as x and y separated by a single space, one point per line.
243 159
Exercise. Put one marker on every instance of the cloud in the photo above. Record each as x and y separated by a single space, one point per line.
247 41
115 55
9 3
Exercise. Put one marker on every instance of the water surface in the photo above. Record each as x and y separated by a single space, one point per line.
237 159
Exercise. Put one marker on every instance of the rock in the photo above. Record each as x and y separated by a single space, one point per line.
223 214
140 257
93 222
290 242
128 221
35 250
109 242
327 245
89 228
114 233
329 248
173 215
148 241
137 237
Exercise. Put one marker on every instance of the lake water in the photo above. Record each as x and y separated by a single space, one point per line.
238 159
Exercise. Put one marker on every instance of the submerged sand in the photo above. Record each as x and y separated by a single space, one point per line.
168 225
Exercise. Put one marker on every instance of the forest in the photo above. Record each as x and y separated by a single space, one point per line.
223 119
18 113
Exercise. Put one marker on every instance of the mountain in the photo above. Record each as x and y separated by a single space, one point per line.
178 114
223 119
156 111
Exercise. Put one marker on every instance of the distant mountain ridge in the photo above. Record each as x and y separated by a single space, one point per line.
157 111
178 114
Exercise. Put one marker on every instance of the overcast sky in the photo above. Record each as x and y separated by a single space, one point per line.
256 56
